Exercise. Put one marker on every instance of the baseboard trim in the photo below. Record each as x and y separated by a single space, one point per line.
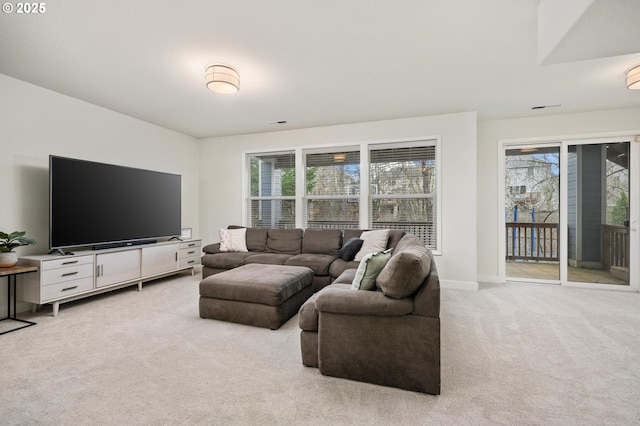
490 279
459 285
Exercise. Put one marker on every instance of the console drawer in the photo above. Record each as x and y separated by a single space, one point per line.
188 262
190 245
189 252
54 276
66 262
68 288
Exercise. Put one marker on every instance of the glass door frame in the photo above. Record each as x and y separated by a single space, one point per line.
634 201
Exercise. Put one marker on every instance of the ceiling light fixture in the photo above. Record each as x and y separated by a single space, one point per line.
633 78
222 79
339 157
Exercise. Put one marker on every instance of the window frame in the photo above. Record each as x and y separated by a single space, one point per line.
248 198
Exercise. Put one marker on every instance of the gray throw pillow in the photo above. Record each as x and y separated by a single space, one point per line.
404 273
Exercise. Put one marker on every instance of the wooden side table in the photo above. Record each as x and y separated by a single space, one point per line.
10 273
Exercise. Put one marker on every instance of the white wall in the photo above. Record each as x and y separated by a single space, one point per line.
221 177
597 123
35 122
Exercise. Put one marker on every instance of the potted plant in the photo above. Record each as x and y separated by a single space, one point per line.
8 242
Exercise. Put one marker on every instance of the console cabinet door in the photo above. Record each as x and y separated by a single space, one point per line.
117 267
159 259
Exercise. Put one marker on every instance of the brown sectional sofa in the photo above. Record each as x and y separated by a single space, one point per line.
314 248
389 337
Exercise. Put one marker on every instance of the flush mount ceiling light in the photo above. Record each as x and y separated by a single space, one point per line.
222 79
633 78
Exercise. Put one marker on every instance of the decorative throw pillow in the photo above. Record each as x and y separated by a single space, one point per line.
233 239
373 242
404 273
350 248
369 269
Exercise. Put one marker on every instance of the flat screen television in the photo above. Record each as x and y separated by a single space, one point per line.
106 205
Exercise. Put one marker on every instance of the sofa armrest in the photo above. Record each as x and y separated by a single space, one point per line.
212 248
360 302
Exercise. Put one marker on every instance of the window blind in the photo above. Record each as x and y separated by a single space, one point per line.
332 189
403 189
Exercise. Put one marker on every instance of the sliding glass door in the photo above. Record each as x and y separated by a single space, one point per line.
568 212
598 213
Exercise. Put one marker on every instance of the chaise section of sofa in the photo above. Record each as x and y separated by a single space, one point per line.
215 261
389 337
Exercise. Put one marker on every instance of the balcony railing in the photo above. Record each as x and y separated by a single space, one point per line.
539 241
423 230
532 241
615 247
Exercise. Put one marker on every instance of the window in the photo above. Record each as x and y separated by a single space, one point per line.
517 190
332 189
404 178
272 189
394 186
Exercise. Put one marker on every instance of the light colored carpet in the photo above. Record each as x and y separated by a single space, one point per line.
511 354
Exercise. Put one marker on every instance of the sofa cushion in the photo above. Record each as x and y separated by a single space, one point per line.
284 241
266 258
319 263
350 248
339 266
256 239
406 242
333 299
373 242
346 277
233 239
404 273
368 270
395 235
351 233
323 241
228 260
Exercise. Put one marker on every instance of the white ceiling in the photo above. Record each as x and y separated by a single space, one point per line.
315 63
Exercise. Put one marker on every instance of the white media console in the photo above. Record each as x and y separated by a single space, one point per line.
65 278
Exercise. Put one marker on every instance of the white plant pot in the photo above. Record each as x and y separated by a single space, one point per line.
8 259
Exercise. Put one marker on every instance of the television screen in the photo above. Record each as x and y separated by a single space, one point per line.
92 204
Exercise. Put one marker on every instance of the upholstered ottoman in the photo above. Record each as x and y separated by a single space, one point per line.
255 294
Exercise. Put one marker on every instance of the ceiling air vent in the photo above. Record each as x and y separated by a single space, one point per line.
545 106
